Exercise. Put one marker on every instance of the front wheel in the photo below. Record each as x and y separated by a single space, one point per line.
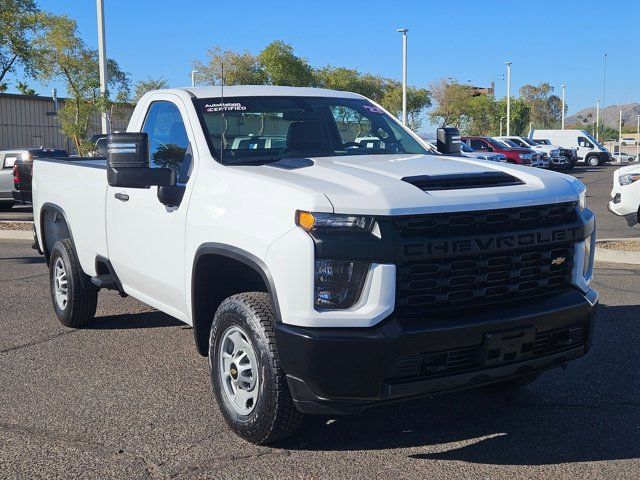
248 383
593 161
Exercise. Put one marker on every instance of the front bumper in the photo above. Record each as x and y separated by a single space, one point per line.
346 370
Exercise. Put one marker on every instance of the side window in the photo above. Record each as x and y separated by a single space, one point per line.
476 144
168 141
583 142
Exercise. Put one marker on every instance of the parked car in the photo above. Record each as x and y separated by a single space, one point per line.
621 157
99 142
520 156
537 159
22 169
553 156
589 150
467 151
570 154
7 161
628 141
324 276
625 194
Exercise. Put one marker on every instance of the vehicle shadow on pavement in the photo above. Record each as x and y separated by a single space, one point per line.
25 260
133 321
588 412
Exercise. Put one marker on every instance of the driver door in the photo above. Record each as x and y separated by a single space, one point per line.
146 238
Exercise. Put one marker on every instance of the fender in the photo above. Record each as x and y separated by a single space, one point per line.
229 251
60 211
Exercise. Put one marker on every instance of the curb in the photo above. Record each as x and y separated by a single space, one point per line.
606 255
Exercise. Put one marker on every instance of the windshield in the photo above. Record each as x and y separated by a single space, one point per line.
266 129
509 143
593 140
529 141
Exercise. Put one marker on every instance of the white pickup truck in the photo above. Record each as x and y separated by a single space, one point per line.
321 274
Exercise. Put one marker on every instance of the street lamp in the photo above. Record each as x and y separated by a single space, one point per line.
638 142
620 136
404 31
508 64
193 77
501 118
597 118
102 62
564 87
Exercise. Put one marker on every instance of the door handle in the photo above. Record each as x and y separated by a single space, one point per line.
123 197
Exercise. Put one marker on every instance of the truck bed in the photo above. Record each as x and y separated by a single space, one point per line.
77 187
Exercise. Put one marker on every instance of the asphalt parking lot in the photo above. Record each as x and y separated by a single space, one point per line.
129 397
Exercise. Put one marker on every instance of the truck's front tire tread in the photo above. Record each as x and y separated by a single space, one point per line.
83 296
275 416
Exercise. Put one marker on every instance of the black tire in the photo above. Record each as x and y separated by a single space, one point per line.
514 383
4 206
82 295
624 144
274 415
593 160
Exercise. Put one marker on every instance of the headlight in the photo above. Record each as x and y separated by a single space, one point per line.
629 178
338 283
334 222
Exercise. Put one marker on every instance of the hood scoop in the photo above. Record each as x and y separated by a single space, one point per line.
461 181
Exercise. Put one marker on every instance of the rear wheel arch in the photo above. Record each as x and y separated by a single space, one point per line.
54 226
220 271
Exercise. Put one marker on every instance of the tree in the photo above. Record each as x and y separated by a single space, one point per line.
239 68
546 109
282 67
144 86
520 115
19 23
452 99
418 100
24 89
64 56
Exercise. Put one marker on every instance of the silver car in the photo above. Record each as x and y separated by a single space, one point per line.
7 160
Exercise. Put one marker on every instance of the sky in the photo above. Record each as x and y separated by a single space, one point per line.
560 41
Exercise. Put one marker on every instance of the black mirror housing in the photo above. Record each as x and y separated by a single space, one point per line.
448 141
128 162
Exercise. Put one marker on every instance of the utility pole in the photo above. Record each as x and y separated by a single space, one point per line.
620 136
564 87
193 77
102 62
597 118
638 142
501 118
508 64
604 91
404 74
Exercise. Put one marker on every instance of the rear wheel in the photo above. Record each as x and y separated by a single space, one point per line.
248 383
74 297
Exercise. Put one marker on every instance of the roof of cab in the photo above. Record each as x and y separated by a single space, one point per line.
267 90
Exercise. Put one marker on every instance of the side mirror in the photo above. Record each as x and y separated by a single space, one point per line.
128 163
448 140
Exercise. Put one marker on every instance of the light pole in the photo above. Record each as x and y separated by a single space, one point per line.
620 136
501 118
508 64
564 87
638 142
597 118
193 77
404 31
604 89
102 62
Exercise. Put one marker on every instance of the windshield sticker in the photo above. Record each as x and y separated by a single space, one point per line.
372 109
224 107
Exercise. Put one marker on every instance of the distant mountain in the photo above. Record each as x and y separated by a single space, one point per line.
609 115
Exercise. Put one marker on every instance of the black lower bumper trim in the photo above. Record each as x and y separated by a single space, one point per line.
337 370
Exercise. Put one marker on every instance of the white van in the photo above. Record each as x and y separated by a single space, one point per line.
589 150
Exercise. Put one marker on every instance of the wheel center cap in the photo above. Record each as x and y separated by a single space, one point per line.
234 371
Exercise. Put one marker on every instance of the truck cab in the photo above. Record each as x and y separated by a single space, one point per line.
346 266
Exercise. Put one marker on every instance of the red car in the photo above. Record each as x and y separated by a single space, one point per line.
521 156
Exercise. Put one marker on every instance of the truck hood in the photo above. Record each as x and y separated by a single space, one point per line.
379 184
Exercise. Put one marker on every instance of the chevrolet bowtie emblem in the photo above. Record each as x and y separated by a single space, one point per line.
558 261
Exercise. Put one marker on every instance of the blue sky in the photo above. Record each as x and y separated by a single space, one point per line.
554 41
